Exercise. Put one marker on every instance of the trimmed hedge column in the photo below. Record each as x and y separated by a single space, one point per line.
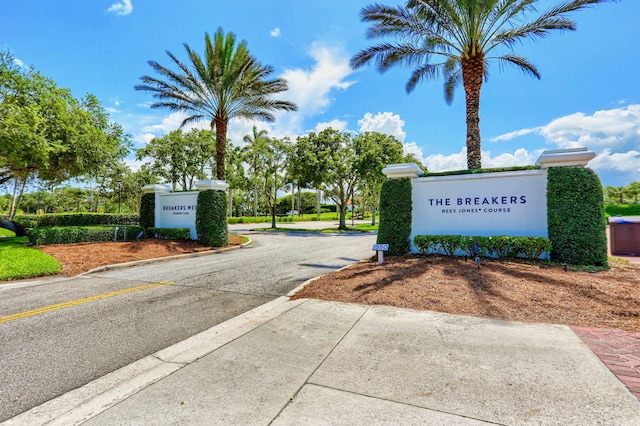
395 216
148 210
211 218
576 216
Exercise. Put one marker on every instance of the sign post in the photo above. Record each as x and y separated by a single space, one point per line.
380 249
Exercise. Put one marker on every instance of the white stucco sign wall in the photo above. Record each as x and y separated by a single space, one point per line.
177 210
487 204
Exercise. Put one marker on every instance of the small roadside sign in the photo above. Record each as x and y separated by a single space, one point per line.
380 249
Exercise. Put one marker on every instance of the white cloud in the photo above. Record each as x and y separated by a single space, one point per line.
383 122
18 62
311 89
275 32
614 135
626 162
123 8
336 124
441 163
458 161
413 148
512 135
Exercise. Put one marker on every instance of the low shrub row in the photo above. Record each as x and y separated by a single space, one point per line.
82 234
622 209
76 219
169 233
501 247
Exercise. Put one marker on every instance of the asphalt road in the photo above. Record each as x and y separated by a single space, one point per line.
95 324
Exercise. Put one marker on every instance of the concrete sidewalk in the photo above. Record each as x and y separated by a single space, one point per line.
310 362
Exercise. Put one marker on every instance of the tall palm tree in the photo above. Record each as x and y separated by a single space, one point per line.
228 82
252 151
455 39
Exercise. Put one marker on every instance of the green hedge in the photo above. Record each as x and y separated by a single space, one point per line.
211 218
622 209
500 246
76 219
82 234
148 210
395 215
170 233
576 216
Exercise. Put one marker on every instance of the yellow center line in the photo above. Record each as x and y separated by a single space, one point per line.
77 302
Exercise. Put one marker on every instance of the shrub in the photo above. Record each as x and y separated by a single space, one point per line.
77 219
82 234
395 215
211 218
622 209
148 210
170 233
576 216
499 246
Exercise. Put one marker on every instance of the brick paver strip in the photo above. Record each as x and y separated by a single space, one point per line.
619 350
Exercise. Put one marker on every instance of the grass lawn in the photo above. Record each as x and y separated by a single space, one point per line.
358 228
20 261
6 233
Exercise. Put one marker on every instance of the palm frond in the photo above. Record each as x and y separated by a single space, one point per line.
519 62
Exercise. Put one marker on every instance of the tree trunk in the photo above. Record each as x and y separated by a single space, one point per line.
472 74
221 146
343 217
293 198
230 212
318 203
15 200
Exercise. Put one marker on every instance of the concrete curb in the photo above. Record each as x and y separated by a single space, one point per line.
309 281
164 259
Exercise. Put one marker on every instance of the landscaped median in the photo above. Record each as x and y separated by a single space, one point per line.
19 261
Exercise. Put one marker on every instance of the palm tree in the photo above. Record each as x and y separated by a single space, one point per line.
455 39
252 151
227 83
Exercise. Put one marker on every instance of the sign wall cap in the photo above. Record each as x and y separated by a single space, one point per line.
404 170
565 158
204 185
155 188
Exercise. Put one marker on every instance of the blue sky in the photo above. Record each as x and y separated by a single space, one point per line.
589 94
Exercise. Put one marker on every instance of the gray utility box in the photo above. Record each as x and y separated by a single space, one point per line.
624 235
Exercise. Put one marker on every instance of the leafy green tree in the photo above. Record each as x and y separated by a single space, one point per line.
179 157
228 82
307 204
614 194
633 190
236 177
255 146
373 152
273 163
456 40
47 134
327 160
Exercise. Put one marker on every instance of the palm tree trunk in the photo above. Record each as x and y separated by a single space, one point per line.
472 74
221 147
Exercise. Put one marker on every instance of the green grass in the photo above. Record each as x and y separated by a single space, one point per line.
20 261
357 228
6 233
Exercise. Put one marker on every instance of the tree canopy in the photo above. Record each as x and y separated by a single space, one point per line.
47 134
